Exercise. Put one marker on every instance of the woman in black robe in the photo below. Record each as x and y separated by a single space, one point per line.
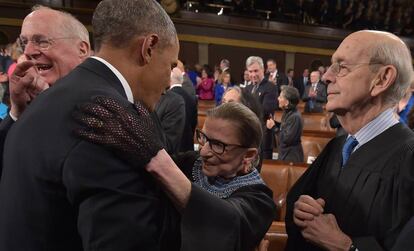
291 126
223 202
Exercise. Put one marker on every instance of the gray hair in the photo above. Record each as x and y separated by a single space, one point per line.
394 53
291 94
254 59
69 24
244 121
118 21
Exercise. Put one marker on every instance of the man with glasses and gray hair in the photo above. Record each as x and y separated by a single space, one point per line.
358 194
54 42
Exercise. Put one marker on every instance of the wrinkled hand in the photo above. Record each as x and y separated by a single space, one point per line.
25 84
324 231
306 208
130 135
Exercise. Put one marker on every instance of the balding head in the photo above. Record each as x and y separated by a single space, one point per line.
55 41
176 77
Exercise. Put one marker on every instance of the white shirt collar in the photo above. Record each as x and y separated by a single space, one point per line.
175 85
121 78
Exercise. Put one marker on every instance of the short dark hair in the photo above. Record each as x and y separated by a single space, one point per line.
118 21
291 94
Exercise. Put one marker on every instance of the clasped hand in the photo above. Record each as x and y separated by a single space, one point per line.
317 227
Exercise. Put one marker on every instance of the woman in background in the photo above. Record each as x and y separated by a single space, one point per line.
290 127
222 86
205 87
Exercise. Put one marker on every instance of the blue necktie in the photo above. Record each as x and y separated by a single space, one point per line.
349 145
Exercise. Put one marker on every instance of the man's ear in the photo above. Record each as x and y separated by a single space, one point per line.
383 81
148 45
84 49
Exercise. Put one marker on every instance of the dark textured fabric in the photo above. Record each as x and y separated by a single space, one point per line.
114 125
61 193
290 146
371 197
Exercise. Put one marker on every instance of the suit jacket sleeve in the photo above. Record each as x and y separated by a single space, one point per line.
173 122
306 94
118 207
321 94
5 126
269 100
237 223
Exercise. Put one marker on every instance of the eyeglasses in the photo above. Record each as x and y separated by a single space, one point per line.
341 69
40 43
216 146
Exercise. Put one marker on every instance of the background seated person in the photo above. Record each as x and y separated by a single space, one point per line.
290 127
218 191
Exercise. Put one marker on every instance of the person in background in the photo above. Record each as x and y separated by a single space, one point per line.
218 190
266 93
205 88
289 130
219 89
246 79
315 94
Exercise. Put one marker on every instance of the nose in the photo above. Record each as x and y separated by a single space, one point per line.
205 150
328 77
31 51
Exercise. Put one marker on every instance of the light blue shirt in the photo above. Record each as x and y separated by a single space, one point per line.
374 128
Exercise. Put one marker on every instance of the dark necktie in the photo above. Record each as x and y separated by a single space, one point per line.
254 89
349 146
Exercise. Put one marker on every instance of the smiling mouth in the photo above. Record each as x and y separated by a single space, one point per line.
43 67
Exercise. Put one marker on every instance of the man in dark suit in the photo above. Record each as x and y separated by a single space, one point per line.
187 140
275 76
267 94
61 193
315 94
301 82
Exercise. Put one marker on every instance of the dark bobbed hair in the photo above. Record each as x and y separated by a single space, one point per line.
291 94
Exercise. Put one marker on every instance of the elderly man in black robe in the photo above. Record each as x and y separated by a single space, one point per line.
358 194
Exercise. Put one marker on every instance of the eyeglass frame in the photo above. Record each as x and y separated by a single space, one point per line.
341 66
40 39
214 141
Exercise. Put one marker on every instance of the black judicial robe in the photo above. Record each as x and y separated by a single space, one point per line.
237 223
372 197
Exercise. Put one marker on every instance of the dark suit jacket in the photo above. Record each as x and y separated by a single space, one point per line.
187 141
5 126
315 104
300 85
171 112
267 94
281 79
61 193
